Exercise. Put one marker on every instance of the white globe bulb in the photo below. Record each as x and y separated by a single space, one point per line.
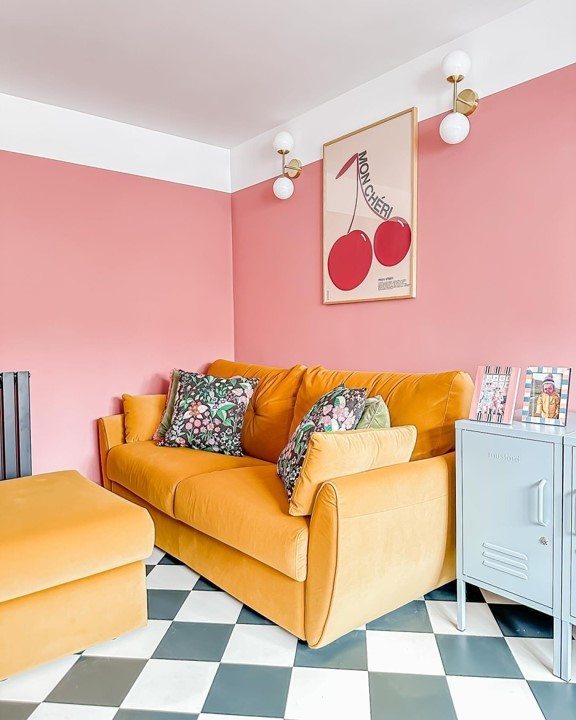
454 128
283 188
456 63
283 142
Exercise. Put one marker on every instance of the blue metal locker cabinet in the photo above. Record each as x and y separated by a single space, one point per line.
509 505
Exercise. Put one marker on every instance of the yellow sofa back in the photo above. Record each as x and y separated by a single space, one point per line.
266 428
432 402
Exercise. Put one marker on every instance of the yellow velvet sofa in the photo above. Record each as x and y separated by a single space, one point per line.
375 540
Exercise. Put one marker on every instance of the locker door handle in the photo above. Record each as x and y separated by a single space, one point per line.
540 518
573 518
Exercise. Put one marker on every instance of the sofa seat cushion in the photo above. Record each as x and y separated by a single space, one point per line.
247 509
153 472
60 527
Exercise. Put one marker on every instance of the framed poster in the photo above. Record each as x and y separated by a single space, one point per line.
369 237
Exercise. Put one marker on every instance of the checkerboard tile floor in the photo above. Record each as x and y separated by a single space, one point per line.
204 656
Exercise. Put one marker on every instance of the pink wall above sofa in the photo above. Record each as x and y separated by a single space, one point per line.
496 252
106 282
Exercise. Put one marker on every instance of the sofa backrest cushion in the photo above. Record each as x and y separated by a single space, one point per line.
432 402
267 421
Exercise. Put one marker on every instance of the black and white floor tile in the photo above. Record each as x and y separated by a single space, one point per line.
205 656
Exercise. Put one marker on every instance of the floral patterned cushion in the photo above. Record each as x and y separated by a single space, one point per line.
339 409
209 412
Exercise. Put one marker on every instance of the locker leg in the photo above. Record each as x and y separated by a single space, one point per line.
562 649
461 597
566 656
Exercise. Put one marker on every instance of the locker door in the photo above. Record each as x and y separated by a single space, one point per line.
507 506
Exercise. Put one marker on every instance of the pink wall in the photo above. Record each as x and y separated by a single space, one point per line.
107 281
496 255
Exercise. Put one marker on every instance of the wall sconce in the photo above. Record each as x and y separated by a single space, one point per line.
455 126
283 186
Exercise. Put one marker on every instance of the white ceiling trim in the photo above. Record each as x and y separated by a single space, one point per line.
33 128
536 39
533 40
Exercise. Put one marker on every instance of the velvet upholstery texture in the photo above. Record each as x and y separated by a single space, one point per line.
69 618
267 421
272 593
378 540
376 414
377 537
154 472
110 434
142 415
432 402
60 527
71 567
339 409
332 455
256 500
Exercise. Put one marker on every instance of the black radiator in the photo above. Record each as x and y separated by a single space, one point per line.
15 445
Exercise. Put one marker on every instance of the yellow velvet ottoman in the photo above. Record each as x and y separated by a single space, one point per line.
71 567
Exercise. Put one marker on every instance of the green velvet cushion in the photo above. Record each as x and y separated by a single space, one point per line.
376 414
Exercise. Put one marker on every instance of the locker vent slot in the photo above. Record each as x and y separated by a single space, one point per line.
505 560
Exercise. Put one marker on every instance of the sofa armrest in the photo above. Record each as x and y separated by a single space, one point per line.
378 540
110 434
393 487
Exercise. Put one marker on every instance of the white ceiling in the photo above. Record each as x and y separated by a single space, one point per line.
218 71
